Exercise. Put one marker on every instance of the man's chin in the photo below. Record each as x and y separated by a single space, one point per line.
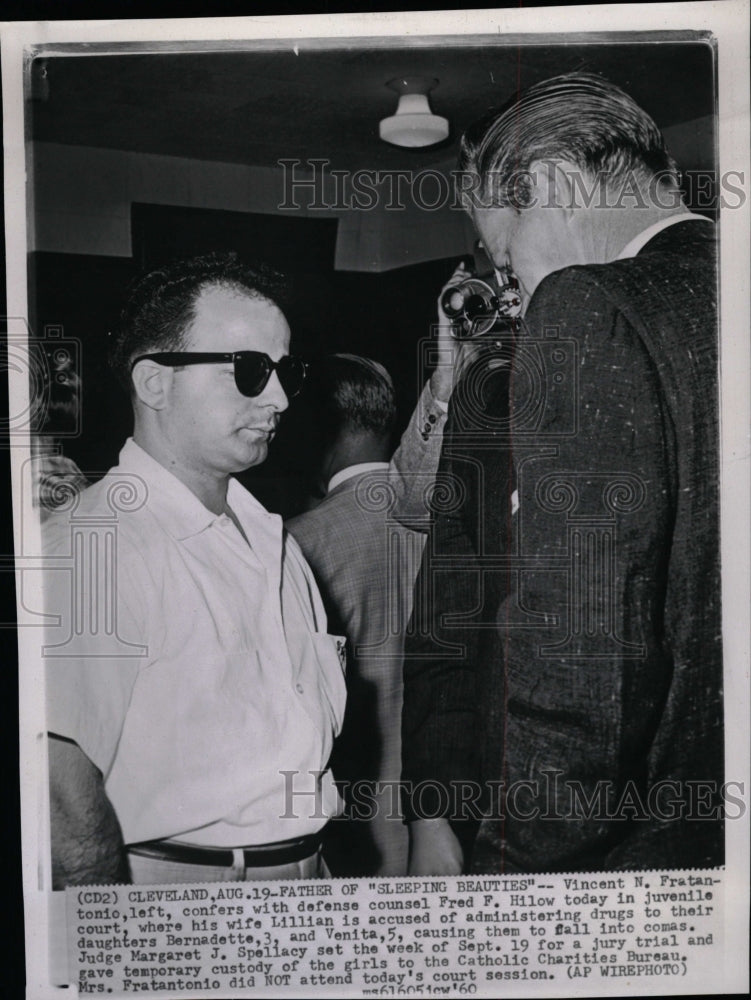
251 457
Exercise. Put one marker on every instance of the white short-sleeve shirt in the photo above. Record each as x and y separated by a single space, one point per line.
192 666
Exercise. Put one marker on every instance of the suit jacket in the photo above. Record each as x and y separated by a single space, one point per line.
571 666
365 562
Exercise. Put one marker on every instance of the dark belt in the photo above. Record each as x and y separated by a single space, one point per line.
284 852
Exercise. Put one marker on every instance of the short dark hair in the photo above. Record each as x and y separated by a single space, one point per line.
161 305
352 393
579 117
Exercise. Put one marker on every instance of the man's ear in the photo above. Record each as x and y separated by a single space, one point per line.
152 383
553 183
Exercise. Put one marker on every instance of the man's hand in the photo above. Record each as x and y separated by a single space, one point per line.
434 848
87 846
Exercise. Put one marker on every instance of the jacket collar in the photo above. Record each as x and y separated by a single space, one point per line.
351 471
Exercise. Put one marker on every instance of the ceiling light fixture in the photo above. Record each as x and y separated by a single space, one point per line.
414 124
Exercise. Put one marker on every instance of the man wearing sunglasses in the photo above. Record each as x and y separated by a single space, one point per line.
190 741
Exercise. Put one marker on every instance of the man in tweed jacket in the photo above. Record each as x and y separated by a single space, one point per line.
365 561
569 678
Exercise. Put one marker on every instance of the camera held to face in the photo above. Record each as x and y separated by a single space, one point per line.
483 299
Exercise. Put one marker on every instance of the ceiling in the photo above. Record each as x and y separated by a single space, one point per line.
257 105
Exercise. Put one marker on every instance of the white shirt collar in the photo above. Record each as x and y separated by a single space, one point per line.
177 507
633 247
353 470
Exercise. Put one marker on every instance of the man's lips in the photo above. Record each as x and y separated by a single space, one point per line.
266 429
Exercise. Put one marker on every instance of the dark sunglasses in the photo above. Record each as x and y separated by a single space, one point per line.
253 369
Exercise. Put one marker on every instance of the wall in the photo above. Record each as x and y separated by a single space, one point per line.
81 200
81 197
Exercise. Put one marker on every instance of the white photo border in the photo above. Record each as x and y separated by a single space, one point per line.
729 23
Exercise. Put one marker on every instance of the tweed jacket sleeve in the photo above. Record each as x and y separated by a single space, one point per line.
413 465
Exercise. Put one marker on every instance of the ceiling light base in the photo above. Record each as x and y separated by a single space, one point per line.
413 126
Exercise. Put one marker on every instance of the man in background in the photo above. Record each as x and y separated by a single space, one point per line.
365 561
192 709
570 672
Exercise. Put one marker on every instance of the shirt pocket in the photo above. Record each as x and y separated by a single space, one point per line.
331 654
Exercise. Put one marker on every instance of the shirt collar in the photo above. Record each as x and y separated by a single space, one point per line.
353 470
176 507
633 247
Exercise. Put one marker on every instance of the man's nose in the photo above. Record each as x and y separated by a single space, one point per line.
273 395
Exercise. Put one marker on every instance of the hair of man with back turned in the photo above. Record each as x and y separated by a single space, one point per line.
580 118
